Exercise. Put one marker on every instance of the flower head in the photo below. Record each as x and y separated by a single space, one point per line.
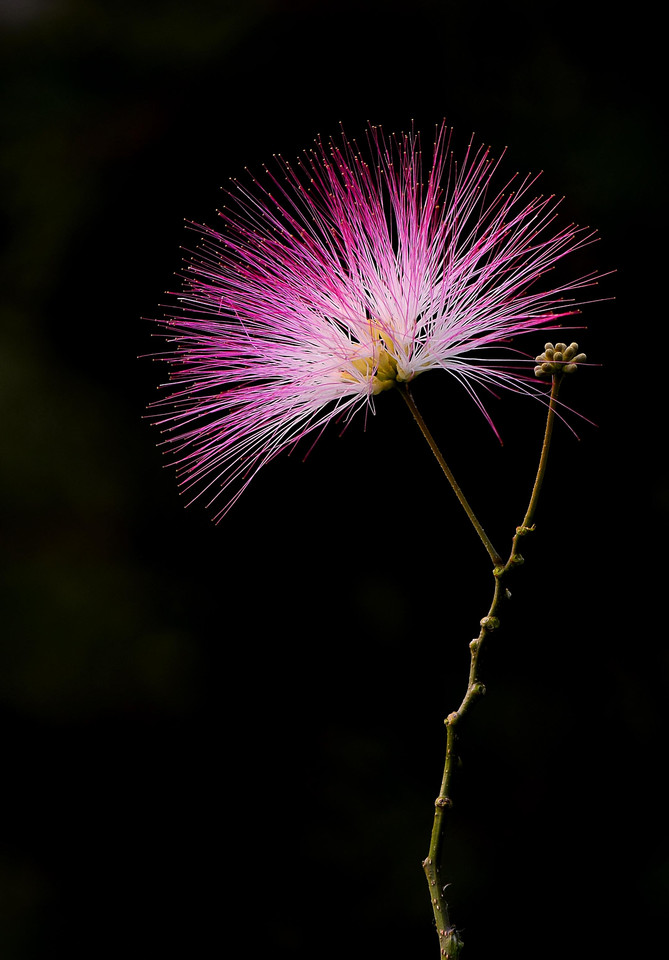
332 281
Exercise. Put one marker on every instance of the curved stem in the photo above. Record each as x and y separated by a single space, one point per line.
411 403
449 941
543 460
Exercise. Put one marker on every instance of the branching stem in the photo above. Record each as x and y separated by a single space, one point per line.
449 940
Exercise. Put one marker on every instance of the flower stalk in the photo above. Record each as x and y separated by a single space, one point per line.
450 943
410 402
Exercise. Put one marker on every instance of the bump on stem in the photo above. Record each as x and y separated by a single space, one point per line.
450 943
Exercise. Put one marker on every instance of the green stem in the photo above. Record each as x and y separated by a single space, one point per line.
449 941
410 402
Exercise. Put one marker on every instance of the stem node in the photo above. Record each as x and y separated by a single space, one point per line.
450 943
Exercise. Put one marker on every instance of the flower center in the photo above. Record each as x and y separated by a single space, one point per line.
380 369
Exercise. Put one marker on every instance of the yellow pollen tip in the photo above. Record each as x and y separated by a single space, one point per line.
380 369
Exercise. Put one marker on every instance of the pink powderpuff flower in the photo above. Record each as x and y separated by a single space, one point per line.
331 282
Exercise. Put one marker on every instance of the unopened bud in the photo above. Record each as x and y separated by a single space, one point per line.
558 359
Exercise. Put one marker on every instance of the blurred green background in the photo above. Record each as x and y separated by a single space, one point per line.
229 739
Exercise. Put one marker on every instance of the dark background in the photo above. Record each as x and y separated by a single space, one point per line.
229 739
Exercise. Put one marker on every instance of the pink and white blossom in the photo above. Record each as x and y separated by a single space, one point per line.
332 280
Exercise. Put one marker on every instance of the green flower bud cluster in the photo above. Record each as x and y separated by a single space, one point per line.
557 359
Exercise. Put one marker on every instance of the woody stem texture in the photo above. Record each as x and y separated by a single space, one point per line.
450 943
